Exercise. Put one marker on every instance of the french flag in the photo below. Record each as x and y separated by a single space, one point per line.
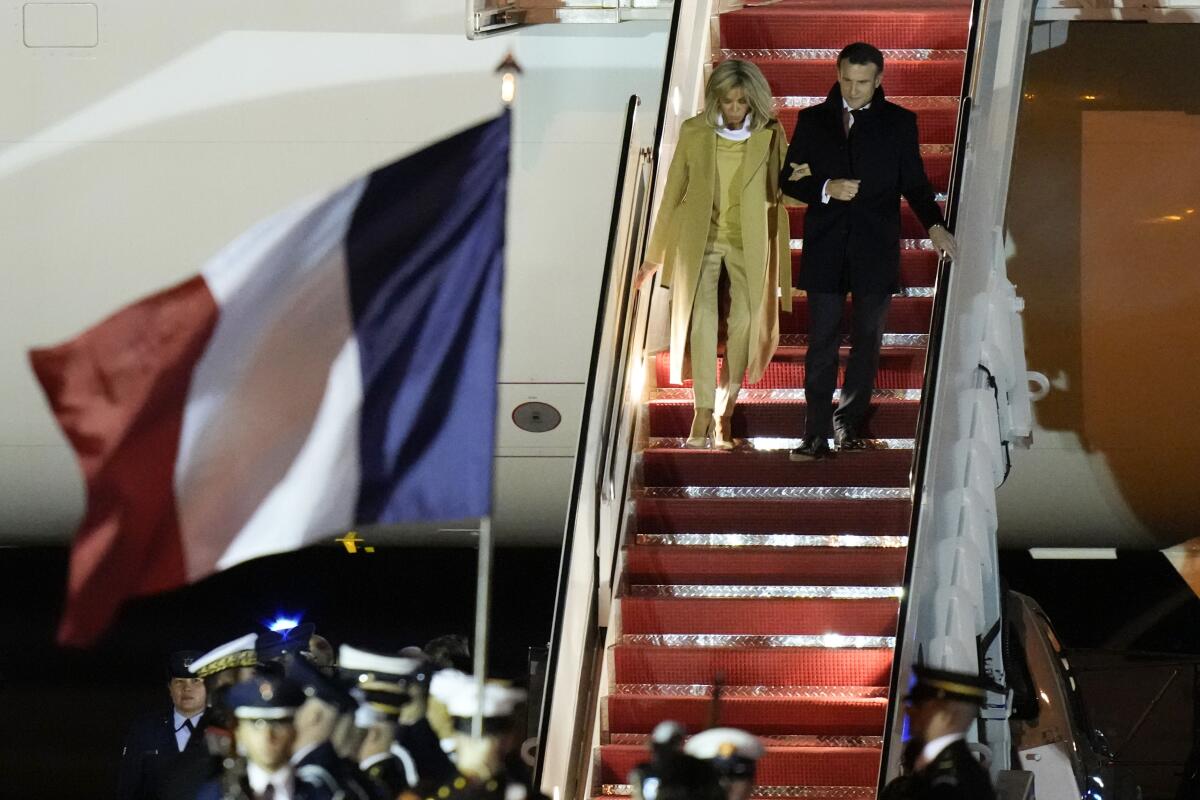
334 366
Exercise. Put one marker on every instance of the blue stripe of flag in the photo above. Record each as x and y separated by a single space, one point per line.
426 263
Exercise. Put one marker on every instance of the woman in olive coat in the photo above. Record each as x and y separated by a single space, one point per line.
722 213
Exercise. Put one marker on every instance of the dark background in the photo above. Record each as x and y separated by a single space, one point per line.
1131 628
65 713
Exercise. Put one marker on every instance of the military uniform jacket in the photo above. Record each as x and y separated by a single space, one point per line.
387 777
953 775
855 246
150 754
222 789
422 743
323 766
502 787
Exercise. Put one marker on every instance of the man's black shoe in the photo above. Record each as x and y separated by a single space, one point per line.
811 448
846 438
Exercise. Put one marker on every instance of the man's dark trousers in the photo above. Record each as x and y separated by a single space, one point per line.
869 318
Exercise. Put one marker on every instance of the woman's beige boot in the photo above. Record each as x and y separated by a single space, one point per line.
702 423
723 432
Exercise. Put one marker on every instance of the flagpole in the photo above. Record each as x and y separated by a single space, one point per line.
508 70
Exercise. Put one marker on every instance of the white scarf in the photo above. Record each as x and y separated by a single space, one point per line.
739 135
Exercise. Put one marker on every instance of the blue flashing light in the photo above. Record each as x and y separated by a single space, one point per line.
283 624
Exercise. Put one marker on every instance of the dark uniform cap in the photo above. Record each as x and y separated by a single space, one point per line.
944 684
315 684
265 697
179 661
278 644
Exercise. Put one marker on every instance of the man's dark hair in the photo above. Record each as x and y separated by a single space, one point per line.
450 651
862 54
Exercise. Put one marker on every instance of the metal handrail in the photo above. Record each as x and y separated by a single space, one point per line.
932 362
582 455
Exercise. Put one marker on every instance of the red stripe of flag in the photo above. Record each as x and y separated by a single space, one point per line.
118 391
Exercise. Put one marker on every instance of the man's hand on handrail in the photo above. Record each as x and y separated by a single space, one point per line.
943 240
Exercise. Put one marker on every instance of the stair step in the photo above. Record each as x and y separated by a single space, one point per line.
941 75
752 666
831 566
832 25
765 716
906 315
934 126
864 617
888 417
702 467
899 368
810 766
910 225
677 515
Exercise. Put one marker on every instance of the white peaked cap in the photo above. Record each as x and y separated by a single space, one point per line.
460 693
231 654
724 742
353 659
665 731
445 684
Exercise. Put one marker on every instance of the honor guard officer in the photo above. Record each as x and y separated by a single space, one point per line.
265 708
665 739
415 733
228 663
733 753
677 776
383 684
156 741
942 706
327 707
488 767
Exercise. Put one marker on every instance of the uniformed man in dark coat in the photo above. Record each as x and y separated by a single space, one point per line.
851 159
156 740
733 753
265 708
938 765
486 767
382 683
326 706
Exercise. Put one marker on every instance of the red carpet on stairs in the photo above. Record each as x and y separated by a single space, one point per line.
781 580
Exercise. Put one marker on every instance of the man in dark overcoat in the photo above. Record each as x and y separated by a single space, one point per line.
851 159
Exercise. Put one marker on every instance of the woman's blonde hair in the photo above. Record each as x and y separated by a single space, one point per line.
736 74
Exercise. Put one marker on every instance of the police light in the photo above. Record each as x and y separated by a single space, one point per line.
283 624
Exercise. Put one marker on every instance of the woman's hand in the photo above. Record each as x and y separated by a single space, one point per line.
646 271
